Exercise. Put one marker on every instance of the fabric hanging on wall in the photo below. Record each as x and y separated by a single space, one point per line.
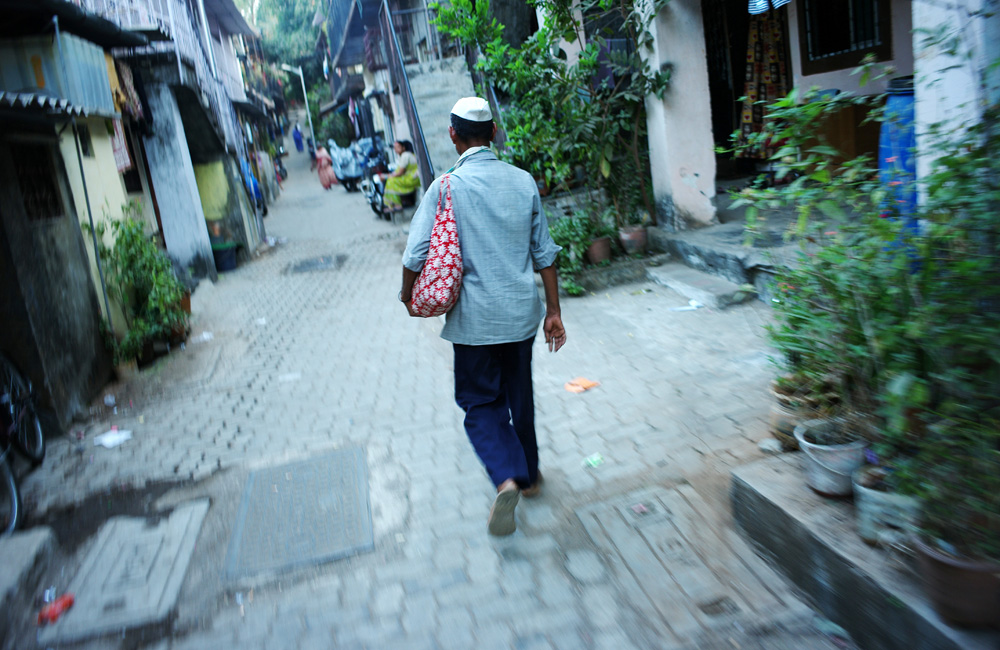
130 101
122 160
766 78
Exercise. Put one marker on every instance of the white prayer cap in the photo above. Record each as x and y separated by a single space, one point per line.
474 109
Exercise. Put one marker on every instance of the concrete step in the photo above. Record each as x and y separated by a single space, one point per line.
722 250
871 593
26 557
710 290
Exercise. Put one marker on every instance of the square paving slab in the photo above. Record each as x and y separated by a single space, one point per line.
682 569
303 513
131 576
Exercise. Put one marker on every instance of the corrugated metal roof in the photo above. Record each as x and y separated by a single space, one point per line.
39 104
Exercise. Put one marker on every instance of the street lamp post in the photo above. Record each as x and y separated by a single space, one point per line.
298 70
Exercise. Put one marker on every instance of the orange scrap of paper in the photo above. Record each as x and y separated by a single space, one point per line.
581 384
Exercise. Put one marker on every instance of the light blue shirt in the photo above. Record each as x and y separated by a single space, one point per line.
504 238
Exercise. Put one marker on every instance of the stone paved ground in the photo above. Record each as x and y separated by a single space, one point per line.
302 363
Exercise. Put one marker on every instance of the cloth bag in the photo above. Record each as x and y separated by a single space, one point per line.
440 281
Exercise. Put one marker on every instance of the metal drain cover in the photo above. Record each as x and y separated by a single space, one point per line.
303 513
321 263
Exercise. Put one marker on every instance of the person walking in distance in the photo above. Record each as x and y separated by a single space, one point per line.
504 239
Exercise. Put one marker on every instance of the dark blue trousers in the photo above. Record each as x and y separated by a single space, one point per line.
493 387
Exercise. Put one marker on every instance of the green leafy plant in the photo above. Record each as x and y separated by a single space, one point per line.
574 235
560 116
900 316
336 126
959 486
142 282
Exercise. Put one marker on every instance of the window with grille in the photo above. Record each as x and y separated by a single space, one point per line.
837 34
36 176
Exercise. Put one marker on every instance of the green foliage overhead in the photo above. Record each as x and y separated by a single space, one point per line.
559 116
286 28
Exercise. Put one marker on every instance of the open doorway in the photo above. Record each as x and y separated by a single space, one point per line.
747 56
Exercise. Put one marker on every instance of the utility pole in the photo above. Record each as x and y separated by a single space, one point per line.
298 70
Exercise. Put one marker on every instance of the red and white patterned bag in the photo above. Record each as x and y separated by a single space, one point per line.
440 281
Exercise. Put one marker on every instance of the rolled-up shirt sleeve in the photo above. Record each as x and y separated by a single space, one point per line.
419 241
543 249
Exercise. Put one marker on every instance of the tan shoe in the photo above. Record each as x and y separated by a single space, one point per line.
534 489
501 521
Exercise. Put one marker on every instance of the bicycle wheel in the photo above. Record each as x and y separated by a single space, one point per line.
16 395
10 500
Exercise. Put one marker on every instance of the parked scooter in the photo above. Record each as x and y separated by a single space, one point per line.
346 167
375 193
279 164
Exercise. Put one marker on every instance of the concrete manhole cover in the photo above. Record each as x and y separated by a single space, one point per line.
132 575
321 263
302 513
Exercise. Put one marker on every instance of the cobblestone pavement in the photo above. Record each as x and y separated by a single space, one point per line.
300 363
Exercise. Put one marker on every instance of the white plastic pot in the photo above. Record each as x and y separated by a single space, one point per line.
829 467
882 516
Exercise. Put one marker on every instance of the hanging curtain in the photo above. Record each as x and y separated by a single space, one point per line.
766 77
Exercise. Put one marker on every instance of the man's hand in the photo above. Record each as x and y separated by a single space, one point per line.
409 308
555 333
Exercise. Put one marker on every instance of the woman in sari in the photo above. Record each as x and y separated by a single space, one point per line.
404 180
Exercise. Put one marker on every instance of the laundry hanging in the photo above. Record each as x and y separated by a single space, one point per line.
766 79
762 6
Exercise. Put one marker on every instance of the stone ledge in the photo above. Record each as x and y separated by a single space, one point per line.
813 542
620 271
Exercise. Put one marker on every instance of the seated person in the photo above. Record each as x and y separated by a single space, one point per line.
406 178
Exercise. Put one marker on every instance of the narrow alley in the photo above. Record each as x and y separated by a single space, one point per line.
304 355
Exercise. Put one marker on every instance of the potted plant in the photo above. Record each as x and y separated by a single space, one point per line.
632 232
884 512
600 230
833 449
958 550
796 399
573 235
143 283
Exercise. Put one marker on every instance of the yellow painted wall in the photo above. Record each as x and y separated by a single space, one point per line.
213 187
105 188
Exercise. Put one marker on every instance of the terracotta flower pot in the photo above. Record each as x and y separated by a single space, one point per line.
599 250
963 592
633 239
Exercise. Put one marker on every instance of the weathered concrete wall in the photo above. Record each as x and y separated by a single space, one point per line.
949 83
106 191
172 173
400 127
902 55
46 286
681 148
104 183
224 200
213 188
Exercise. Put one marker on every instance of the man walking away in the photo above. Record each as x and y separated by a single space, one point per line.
504 238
